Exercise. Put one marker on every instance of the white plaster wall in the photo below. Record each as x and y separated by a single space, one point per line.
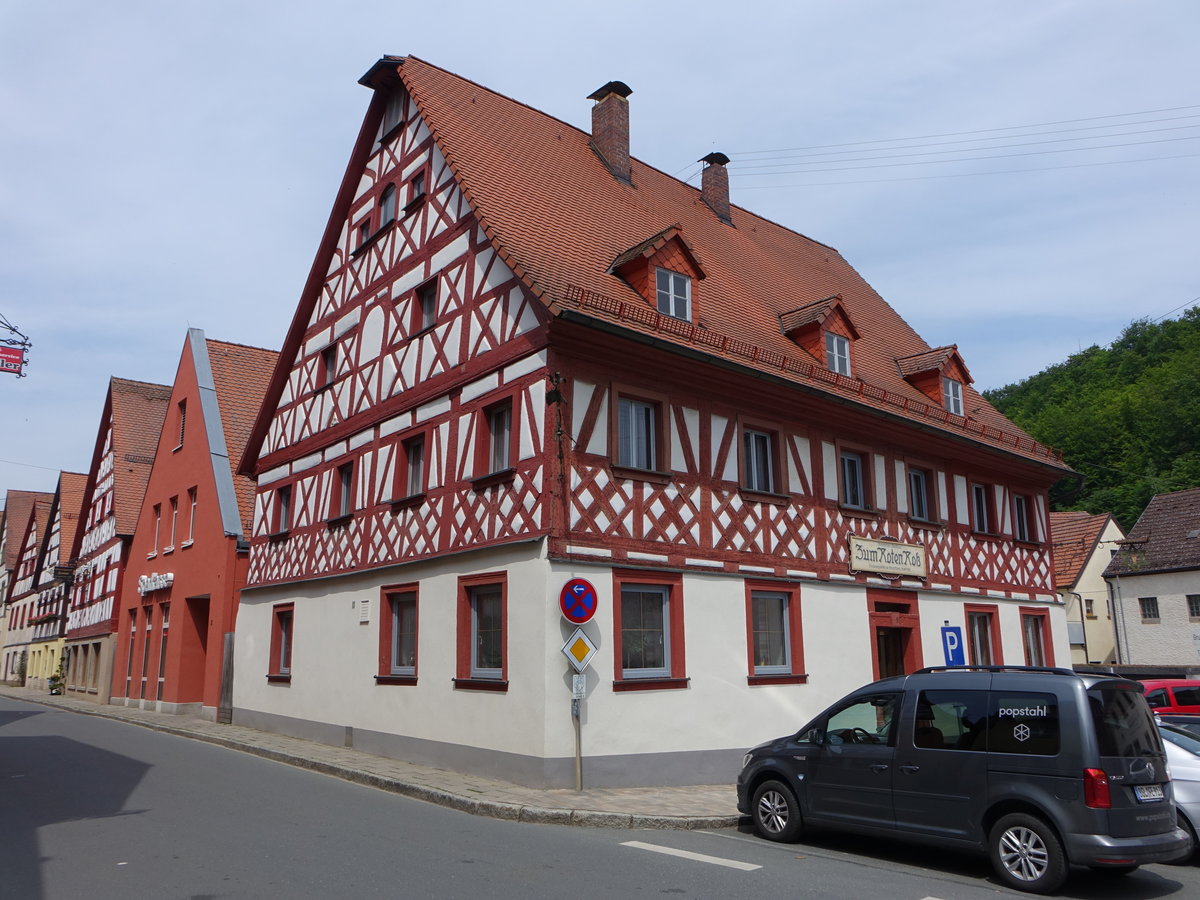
938 609
1175 638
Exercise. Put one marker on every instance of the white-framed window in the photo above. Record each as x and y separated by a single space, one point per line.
674 294
771 635
191 515
487 631
1022 524
645 631
952 395
758 460
854 480
837 353
281 640
920 502
637 434
174 521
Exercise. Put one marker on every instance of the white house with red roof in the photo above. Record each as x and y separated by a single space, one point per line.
116 482
1084 544
29 521
531 378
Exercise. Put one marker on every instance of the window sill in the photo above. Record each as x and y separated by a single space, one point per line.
186 544
409 502
396 679
1029 545
985 535
650 684
862 512
480 684
151 555
764 496
392 132
279 679
777 679
620 471
277 537
504 476
1151 621
372 238
414 204
339 521
927 524
167 551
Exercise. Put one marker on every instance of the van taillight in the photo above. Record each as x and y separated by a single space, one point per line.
1095 789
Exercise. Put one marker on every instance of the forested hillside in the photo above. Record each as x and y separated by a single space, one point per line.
1126 417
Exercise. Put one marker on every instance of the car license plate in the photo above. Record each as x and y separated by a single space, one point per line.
1148 792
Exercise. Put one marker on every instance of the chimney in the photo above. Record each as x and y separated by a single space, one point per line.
610 128
714 185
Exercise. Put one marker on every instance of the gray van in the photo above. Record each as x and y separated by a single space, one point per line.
1042 768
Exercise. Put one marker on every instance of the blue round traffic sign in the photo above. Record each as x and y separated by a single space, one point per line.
578 601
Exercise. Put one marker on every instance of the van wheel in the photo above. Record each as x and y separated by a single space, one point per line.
1027 854
776 812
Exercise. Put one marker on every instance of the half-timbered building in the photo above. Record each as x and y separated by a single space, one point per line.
124 453
21 599
524 360
14 520
187 561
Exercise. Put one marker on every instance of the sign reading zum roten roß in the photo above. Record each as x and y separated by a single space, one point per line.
887 557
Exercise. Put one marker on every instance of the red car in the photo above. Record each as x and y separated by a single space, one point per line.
1173 695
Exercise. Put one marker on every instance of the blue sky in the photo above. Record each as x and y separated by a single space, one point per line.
1021 179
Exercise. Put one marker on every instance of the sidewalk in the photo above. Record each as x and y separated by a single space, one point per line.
705 806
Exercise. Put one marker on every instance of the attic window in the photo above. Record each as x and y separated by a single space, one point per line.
837 353
952 396
387 206
674 294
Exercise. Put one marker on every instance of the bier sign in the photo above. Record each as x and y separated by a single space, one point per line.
12 360
887 557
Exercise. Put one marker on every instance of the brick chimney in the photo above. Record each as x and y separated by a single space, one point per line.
610 128
714 185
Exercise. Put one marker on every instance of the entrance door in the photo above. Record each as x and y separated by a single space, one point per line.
889 650
895 632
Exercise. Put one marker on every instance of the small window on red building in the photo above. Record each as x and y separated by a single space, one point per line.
398 636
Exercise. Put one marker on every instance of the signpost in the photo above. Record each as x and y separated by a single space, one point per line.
577 601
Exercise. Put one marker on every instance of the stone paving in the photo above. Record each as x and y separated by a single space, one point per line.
704 806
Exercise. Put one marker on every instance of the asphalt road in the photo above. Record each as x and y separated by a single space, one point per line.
100 809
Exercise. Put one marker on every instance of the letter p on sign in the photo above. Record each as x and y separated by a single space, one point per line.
952 644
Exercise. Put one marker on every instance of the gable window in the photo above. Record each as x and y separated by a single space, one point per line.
387 206
414 466
157 529
280 664
482 637
191 517
1022 524
425 307
393 113
174 521
759 461
398 637
776 651
1149 608
837 353
341 503
648 622
983 636
637 434
1035 632
416 188
983 516
674 294
327 367
283 510
952 395
920 498
499 424
182 410
855 491
364 231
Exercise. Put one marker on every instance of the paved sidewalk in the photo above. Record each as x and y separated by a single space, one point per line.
705 806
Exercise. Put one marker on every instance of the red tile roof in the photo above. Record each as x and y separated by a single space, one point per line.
559 218
928 360
71 489
1074 536
241 376
1166 537
138 411
18 507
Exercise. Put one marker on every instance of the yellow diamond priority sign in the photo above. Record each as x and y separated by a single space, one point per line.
579 650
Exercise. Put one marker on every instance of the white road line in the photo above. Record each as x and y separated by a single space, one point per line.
697 857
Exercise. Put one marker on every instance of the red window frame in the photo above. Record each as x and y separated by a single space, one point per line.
661 407
993 614
1047 641
989 498
389 595
677 663
485 439
774 450
465 632
402 492
795 634
276 672
867 472
419 322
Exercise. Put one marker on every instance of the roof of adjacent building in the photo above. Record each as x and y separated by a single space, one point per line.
1166 537
18 507
138 410
71 489
1074 536
241 375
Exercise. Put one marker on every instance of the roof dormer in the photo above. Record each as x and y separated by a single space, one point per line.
940 375
823 328
663 270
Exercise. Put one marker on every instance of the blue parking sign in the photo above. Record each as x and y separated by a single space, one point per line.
952 643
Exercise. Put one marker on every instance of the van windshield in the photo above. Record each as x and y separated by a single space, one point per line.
1123 723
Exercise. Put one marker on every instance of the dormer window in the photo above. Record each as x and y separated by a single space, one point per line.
674 294
952 396
837 353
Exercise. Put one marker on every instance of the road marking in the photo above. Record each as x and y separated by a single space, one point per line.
696 857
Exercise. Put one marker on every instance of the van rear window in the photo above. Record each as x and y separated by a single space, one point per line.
1122 722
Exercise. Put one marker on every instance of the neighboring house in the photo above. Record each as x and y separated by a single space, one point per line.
116 482
22 589
187 562
1155 583
18 508
52 581
1083 545
525 363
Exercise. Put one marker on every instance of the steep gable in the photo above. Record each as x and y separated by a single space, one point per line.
18 508
1074 536
1166 537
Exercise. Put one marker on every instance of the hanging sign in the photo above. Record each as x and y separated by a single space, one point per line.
12 360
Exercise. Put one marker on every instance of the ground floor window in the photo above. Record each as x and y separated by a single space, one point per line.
648 630
1035 637
398 636
279 667
482 632
983 636
775 647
